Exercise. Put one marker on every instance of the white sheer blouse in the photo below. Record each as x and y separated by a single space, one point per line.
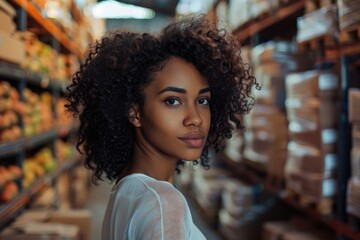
141 207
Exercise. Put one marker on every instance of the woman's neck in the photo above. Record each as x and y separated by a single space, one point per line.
151 163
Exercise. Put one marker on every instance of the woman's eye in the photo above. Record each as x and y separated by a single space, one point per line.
172 101
204 101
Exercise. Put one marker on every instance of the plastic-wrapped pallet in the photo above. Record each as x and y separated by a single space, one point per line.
349 13
317 23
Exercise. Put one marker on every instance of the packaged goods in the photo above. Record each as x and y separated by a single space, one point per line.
34 231
11 49
76 218
237 198
353 196
7 25
349 14
308 159
238 12
266 138
354 103
356 135
310 84
314 186
234 147
317 23
355 163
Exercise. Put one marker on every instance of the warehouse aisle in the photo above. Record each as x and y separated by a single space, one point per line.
97 201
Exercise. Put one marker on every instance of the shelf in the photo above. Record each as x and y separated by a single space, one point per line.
10 209
11 71
246 31
340 227
67 129
349 50
15 72
75 12
50 27
40 139
9 149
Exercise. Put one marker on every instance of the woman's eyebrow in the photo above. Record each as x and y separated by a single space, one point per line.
204 90
172 89
181 90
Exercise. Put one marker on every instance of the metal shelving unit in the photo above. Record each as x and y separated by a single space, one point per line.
29 15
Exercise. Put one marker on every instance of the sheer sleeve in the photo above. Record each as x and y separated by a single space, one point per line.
161 213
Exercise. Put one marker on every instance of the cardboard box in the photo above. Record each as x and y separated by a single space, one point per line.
11 49
35 231
7 25
79 218
7 8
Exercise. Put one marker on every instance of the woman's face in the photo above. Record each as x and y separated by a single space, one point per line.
175 117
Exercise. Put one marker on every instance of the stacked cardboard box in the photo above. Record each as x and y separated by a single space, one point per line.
312 114
11 49
353 206
266 136
50 224
318 23
349 14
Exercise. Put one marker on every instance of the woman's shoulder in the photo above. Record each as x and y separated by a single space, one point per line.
161 191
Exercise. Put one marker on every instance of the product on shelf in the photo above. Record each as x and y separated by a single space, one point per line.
349 14
43 59
317 23
9 173
47 219
237 198
64 151
38 230
353 194
8 191
234 146
7 13
37 166
208 186
266 138
11 48
354 103
10 109
312 152
39 116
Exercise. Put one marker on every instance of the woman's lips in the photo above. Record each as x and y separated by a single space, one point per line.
193 140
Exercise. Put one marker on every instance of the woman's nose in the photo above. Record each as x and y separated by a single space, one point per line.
192 117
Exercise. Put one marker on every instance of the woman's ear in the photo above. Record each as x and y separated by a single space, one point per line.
134 116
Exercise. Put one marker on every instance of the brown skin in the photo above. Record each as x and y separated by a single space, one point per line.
166 119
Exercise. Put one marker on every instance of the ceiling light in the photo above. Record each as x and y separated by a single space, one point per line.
115 9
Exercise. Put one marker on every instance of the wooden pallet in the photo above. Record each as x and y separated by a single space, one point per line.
319 43
350 36
324 206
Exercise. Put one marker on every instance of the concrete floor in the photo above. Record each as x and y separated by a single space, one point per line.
97 201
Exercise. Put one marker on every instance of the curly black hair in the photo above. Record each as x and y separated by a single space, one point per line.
119 66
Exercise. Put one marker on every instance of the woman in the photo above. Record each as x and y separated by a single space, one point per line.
146 104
